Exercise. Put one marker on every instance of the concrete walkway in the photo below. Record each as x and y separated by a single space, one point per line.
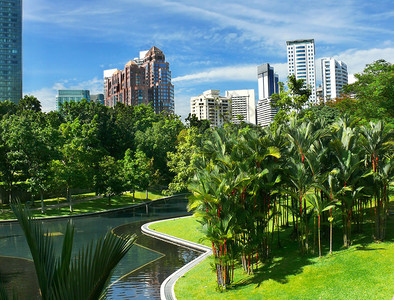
167 287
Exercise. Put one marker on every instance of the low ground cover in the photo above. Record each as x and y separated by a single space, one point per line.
364 271
81 207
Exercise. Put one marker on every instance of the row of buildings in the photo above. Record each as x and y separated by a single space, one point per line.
241 104
144 80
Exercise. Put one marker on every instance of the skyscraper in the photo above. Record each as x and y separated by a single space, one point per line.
71 96
11 50
268 83
334 77
144 80
127 86
211 106
301 62
158 79
243 106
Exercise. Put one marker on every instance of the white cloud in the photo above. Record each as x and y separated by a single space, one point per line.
182 105
356 60
47 95
231 73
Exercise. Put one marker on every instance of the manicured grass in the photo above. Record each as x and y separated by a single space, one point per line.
187 228
364 271
90 206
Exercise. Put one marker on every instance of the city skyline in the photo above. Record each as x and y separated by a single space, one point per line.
68 44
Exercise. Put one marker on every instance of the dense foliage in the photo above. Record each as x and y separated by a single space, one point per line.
83 146
249 183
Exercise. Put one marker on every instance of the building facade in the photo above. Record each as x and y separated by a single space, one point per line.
126 86
301 63
11 50
334 77
71 96
98 98
158 80
243 106
268 84
144 80
211 106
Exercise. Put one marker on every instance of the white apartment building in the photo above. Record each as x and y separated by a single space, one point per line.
268 84
211 106
334 77
243 106
301 62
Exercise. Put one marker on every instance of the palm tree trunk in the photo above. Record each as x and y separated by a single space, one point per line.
318 234
331 220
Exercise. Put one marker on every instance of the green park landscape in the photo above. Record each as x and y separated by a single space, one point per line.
302 209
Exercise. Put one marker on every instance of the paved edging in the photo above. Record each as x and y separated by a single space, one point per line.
167 291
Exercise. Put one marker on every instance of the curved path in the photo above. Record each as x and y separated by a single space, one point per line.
167 287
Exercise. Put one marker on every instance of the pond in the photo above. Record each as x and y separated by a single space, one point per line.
141 272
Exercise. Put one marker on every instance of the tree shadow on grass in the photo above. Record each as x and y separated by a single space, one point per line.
277 268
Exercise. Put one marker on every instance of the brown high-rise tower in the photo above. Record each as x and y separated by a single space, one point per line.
145 81
158 79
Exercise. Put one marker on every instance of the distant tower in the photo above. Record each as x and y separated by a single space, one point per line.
268 83
334 77
158 80
71 96
211 106
243 105
127 86
11 50
301 62
144 80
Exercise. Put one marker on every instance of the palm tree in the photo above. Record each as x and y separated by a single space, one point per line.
84 277
319 205
348 172
376 141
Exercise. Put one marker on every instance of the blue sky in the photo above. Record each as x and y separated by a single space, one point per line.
209 44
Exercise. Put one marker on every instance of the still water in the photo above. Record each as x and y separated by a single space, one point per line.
141 272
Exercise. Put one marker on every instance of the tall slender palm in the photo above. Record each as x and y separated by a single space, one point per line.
376 143
348 161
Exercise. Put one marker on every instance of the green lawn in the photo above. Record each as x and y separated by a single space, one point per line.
96 205
364 271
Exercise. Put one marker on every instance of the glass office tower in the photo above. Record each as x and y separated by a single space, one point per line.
11 50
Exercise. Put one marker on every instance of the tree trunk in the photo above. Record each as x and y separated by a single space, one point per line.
42 202
318 234
133 195
147 195
331 231
69 199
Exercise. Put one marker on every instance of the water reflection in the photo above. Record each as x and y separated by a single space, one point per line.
152 260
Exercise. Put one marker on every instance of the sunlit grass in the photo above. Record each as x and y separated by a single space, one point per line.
91 206
364 271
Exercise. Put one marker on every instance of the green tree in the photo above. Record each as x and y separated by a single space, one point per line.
157 141
79 154
181 162
109 181
374 92
29 103
290 101
138 171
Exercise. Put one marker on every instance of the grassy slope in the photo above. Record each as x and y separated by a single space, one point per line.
96 205
365 271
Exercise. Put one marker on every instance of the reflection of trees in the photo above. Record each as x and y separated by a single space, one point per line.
147 280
